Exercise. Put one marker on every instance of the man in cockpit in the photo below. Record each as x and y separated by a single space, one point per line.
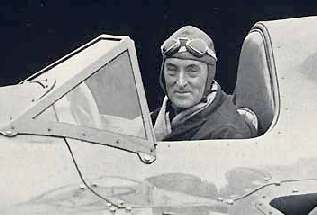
194 106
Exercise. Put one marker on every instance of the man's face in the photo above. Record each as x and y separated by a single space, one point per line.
185 81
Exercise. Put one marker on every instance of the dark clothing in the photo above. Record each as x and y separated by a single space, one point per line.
220 120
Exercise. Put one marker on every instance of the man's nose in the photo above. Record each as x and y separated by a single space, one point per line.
181 81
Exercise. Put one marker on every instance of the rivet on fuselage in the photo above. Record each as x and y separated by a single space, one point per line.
168 213
10 133
128 209
220 199
121 202
277 183
113 209
229 201
295 190
267 178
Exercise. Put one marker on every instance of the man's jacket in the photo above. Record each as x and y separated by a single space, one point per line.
219 120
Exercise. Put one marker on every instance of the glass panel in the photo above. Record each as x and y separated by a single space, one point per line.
107 100
115 84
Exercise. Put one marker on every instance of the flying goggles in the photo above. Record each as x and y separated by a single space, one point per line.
196 47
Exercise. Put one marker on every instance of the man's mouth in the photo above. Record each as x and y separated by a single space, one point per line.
181 92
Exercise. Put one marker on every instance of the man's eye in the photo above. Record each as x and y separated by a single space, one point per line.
171 68
193 71
171 72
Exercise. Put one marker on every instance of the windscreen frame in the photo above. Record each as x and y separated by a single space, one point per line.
28 122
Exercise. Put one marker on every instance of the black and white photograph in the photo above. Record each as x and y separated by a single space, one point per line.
158 107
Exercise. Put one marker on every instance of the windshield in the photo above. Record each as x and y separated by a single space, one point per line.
107 100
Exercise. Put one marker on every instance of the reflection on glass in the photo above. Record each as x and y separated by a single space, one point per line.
107 100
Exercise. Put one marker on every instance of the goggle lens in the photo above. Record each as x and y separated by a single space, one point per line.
197 47
170 47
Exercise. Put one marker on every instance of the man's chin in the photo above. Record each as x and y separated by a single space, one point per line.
182 104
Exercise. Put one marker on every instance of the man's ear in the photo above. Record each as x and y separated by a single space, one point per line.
212 70
210 78
211 73
162 78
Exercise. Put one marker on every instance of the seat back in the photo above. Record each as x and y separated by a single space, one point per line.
254 85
